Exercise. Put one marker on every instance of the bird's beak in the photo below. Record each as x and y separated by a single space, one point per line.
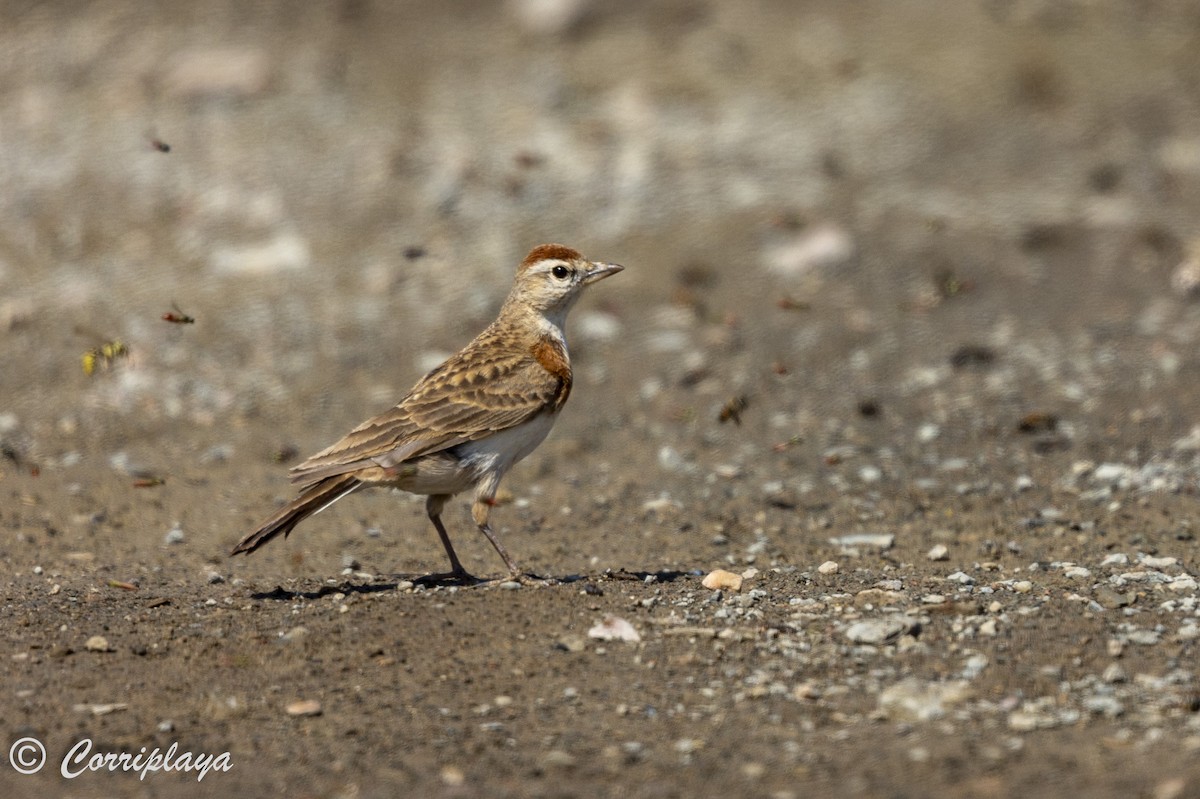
598 271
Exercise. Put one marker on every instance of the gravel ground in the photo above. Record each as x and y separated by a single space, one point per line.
879 472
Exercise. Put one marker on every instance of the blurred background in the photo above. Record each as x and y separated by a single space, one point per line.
821 206
910 286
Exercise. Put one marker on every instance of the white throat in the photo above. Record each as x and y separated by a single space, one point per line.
552 324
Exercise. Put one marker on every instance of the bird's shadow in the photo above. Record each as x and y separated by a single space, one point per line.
279 593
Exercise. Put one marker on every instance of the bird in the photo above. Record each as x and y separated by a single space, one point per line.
466 422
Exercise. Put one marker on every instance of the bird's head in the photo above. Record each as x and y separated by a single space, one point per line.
552 277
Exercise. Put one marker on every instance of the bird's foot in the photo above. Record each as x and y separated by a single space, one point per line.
456 577
524 578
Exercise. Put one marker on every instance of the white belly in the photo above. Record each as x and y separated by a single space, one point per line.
497 453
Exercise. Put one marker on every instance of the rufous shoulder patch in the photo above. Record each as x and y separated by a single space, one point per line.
549 353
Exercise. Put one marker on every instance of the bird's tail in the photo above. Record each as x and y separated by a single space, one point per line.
316 498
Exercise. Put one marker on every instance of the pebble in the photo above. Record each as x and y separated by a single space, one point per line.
225 70
828 567
509 585
452 776
875 540
1111 599
753 770
285 252
821 246
1041 714
938 552
662 505
97 643
1103 705
304 707
1022 586
722 580
974 666
102 709
614 628
877 631
556 758
912 699
174 535
1112 473
1114 674
1144 637
870 474
571 643
880 597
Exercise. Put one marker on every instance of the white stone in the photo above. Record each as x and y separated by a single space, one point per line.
614 628
928 432
822 246
915 700
870 540
304 707
97 643
285 252
877 631
722 580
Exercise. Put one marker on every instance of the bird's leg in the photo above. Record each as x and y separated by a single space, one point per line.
479 512
433 506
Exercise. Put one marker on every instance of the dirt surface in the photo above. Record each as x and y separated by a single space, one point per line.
933 264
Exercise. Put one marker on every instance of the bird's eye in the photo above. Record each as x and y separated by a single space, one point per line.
560 272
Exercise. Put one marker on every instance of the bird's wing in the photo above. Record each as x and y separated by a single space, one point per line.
472 395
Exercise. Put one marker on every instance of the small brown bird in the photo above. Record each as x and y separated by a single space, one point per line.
468 421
